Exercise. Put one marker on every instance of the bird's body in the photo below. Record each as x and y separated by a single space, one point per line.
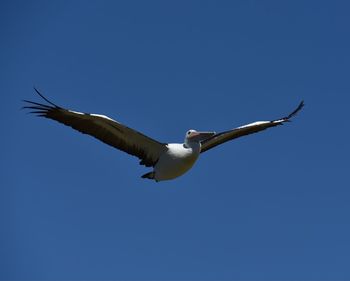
168 160
176 161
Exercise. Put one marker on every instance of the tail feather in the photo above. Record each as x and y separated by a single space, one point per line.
149 175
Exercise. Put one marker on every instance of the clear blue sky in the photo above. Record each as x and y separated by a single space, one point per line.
271 206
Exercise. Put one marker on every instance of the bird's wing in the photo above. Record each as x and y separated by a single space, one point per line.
103 128
245 130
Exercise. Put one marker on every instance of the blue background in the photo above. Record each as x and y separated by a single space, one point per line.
271 206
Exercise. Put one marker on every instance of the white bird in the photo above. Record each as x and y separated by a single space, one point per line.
169 161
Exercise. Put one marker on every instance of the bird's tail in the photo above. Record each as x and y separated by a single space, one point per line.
149 175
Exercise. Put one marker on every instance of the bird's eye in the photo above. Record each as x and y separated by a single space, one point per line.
189 132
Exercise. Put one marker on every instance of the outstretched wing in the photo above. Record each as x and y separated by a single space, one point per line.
246 130
104 129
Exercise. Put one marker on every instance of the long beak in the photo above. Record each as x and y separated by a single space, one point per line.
201 136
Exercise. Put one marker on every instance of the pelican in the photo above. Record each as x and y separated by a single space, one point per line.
169 160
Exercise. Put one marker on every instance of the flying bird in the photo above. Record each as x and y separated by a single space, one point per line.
169 160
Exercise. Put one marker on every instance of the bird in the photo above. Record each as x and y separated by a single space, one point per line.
168 160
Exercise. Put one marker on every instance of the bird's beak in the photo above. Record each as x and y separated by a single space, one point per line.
200 136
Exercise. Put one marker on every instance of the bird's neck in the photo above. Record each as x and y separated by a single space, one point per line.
195 146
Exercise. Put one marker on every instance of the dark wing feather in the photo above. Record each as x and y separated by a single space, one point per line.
246 130
104 129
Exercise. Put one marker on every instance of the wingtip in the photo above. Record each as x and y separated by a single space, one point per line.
44 98
35 107
301 104
299 107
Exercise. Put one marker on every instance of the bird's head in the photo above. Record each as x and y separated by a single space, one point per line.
192 136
